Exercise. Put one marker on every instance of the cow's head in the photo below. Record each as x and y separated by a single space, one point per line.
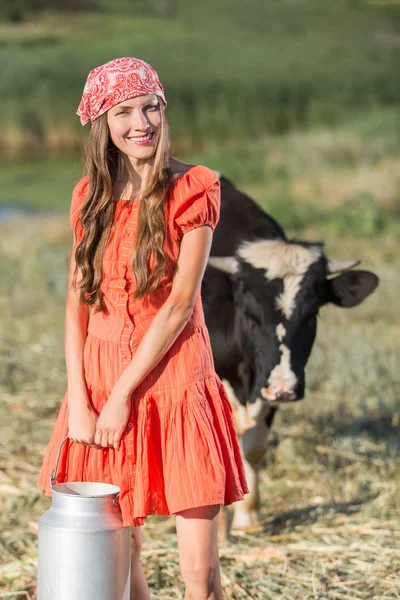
278 288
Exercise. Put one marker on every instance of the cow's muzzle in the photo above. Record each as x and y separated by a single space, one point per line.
276 394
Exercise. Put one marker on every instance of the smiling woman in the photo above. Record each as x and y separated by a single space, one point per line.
144 407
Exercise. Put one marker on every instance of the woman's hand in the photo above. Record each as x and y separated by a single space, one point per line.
82 424
113 419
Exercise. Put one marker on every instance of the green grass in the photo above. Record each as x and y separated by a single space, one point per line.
39 184
229 73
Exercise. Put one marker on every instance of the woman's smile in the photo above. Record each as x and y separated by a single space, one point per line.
144 140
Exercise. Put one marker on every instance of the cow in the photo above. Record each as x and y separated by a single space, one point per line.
261 295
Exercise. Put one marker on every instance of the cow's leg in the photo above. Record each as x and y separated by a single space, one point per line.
252 427
253 443
244 514
243 421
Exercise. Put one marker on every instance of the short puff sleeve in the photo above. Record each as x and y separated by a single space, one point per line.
78 198
198 200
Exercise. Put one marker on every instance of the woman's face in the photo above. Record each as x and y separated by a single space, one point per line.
134 126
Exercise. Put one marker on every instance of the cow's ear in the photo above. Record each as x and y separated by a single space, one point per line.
350 289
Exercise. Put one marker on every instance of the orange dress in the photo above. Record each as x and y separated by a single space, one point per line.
179 449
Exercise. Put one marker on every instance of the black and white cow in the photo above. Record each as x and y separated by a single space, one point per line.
261 295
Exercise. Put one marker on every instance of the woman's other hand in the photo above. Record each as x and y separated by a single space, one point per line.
113 419
82 424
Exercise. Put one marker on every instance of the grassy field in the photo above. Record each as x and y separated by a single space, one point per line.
228 73
330 487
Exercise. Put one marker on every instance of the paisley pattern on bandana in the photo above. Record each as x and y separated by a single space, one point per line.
114 82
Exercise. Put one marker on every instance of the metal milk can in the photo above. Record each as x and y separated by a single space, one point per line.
84 552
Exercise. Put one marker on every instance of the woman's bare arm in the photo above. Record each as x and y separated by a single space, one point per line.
76 321
174 313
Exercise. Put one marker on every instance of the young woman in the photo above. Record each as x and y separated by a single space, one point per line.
144 408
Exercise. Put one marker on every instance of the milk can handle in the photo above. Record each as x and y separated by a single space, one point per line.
54 471
53 474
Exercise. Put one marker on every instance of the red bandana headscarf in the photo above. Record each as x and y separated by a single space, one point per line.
114 82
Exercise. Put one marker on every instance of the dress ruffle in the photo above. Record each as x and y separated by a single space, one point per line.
175 441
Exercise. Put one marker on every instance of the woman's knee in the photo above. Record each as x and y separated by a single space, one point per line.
197 530
199 574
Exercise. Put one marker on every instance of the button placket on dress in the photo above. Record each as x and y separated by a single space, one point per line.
128 331
125 252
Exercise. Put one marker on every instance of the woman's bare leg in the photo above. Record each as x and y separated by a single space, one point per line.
197 531
139 587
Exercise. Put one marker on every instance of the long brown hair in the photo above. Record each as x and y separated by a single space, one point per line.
103 162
